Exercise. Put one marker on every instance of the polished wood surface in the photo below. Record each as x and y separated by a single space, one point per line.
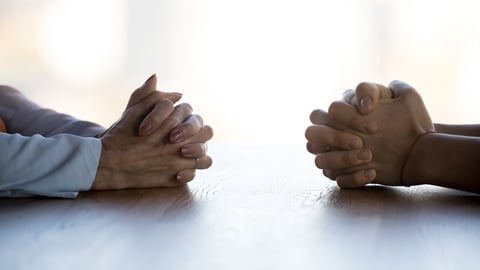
258 207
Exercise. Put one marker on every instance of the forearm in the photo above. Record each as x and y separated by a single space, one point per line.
445 160
59 166
27 118
465 130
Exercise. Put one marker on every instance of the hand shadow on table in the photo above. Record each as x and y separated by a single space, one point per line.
171 200
396 201
160 202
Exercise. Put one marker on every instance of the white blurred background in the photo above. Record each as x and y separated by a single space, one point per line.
254 69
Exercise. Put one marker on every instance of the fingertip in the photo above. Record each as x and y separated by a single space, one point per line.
397 88
317 115
185 176
356 179
308 146
330 174
397 84
174 96
151 83
370 175
355 143
370 126
152 77
308 133
209 131
209 162
335 107
143 91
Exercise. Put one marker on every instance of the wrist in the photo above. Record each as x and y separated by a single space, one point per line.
414 170
105 172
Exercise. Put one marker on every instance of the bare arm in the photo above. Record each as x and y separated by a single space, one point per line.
465 130
445 160
403 150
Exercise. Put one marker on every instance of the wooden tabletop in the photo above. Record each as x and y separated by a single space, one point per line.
258 207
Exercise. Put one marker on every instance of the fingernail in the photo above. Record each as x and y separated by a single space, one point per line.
355 144
365 104
370 174
176 136
145 129
371 126
364 155
181 178
175 96
187 150
150 78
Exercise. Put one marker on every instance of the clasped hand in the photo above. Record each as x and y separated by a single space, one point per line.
366 137
153 144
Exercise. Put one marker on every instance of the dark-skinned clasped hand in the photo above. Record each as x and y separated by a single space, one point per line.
356 149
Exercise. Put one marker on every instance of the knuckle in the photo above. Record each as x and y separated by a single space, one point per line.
9 90
322 162
162 106
172 121
129 112
334 108
187 127
412 94
198 118
165 103
338 141
185 107
320 117
329 174
154 97
362 86
202 149
349 157
208 131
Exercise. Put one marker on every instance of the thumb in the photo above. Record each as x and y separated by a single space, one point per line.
399 88
369 94
143 91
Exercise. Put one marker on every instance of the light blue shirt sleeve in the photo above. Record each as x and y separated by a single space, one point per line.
46 153
58 166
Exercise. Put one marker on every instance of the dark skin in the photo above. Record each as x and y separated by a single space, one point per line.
393 127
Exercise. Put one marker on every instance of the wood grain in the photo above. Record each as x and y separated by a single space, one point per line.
258 207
